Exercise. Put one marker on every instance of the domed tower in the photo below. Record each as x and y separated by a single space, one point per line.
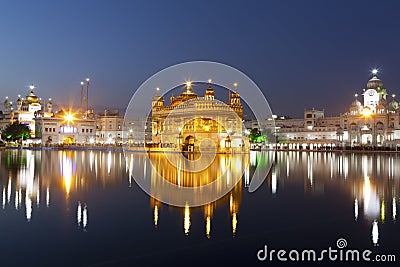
19 103
356 106
235 102
157 101
376 84
374 93
49 106
393 105
7 104
209 95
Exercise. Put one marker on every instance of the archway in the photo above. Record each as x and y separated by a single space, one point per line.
188 145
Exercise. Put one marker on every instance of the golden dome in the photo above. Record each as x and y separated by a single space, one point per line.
31 98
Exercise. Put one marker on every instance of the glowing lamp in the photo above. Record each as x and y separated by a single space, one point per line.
367 112
69 117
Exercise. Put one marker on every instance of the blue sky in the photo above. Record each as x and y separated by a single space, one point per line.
302 54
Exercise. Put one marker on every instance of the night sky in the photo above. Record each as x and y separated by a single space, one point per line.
302 54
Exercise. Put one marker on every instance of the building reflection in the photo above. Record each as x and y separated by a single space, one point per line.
29 179
370 178
32 179
223 163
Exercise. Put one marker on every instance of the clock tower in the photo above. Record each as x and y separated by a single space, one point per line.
374 92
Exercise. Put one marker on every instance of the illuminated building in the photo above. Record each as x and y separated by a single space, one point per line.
189 120
24 110
65 128
109 127
374 122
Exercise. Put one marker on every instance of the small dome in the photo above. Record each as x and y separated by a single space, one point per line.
393 105
209 90
31 98
374 83
356 104
209 93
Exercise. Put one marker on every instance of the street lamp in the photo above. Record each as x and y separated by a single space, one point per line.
82 84
87 97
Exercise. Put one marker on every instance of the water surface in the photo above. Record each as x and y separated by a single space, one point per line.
83 208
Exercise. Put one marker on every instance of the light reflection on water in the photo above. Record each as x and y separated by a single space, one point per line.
40 179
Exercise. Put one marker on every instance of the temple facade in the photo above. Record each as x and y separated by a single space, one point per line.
24 110
192 123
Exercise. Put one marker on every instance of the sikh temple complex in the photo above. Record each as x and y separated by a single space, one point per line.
192 123
46 125
372 121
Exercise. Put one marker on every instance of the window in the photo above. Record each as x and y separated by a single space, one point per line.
83 130
91 130
54 130
87 130
46 129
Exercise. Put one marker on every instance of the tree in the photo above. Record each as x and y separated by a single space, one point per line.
254 135
16 131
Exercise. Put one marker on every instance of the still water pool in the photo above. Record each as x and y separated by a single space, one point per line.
83 208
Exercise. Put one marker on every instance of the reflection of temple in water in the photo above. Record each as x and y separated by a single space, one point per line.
49 179
232 199
225 170
371 179
30 178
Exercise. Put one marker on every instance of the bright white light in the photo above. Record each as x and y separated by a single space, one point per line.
91 140
158 89
82 83
209 80
31 87
87 79
69 117
374 71
375 233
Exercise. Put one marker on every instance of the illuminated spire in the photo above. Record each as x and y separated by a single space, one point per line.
155 216
31 87
186 220
208 226
188 85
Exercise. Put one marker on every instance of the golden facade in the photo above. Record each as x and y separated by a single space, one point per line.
192 123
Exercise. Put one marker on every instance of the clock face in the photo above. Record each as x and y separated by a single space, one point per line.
371 92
